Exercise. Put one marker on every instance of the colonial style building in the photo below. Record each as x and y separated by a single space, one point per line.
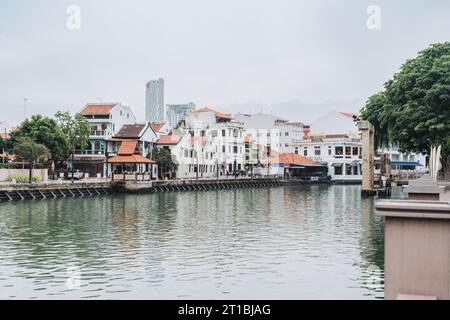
105 119
340 152
273 131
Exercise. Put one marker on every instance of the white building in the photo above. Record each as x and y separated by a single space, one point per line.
401 163
340 152
176 112
335 122
270 130
225 134
194 156
342 127
105 120
154 101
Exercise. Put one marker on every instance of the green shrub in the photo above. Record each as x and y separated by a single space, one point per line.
22 178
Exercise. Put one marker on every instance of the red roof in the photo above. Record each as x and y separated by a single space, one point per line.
169 139
216 113
135 158
97 109
247 139
128 147
295 159
156 126
10 156
4 135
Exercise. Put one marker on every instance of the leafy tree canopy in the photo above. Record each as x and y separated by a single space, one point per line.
163 157
75 129
26 149
45 131
413 110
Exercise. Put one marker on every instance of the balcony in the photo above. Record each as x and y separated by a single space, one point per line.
95 153
98 133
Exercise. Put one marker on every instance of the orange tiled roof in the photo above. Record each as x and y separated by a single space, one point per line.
156 126
8 156
127 147
4 135
169 139
293 158
135 158
97 109
216 113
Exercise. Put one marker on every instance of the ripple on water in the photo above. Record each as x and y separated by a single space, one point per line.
287 242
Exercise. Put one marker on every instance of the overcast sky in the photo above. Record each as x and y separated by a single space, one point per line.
295 58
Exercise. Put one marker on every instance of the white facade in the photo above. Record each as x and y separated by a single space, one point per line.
176 112
154 101
270 130
225 136
105 120
335 122
342 155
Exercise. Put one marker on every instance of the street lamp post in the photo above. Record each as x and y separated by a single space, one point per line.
30 176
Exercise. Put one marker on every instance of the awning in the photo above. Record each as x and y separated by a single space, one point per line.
406 163
337 164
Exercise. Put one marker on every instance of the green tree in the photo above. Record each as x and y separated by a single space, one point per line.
413 110
28 150
163 158
76 130
45 131
2 145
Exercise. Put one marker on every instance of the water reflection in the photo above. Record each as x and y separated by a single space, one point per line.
288 242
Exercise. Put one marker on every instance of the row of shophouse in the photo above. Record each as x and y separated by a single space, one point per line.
208 143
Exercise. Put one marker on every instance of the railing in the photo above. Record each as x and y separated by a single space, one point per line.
98 133
132 177
90 152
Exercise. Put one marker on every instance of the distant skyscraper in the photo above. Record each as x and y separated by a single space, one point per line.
154 101
175 112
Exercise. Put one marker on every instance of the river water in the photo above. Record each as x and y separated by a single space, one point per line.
290 242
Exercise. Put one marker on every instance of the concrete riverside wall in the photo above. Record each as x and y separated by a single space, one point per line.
5 173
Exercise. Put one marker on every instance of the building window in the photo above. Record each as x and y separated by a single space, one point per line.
223 149
329 151
348 151
355 170
296 150
305 152
235 149
355 151
223 133
348 169
317 151
339 151
286 134
338 170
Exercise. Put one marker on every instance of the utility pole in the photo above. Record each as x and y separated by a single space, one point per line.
30 176
106 160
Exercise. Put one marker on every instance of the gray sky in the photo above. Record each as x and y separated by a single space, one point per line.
298 59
